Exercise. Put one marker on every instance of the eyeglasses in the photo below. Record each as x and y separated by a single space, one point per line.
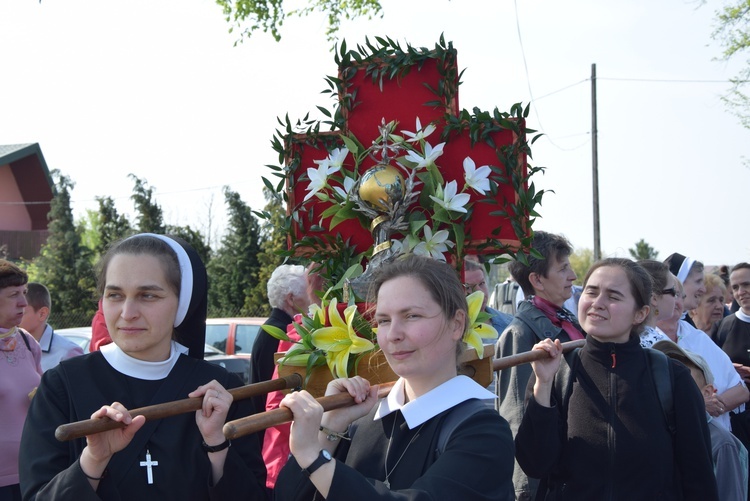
671 291
469 288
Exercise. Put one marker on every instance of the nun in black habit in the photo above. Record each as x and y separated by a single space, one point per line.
154 291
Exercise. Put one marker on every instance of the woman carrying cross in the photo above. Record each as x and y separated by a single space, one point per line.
154 296
432 437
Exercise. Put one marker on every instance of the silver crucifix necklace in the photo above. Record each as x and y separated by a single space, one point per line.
388 449
149 466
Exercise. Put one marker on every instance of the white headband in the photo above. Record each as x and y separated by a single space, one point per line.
186 270
684 271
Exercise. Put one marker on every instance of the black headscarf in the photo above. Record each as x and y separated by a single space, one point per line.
192 309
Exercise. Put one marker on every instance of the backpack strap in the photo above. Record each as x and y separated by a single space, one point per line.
661 373
25 341
564 379
455 417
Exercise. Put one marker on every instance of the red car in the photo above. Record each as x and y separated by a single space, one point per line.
233 336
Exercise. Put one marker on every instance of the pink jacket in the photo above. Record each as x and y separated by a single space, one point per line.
276 440
20 373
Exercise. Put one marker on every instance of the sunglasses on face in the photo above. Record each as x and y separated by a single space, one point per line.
672 291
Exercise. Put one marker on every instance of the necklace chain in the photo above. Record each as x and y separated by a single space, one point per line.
388 450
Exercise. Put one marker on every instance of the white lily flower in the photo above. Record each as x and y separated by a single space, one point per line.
318 177
348 185
397 246
430 155
477 179
336 157
420 133
433 245
448 198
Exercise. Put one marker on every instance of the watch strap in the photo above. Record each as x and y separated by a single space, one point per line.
215 448
323 458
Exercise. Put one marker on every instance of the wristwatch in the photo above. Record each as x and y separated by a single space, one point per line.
215 448
323 458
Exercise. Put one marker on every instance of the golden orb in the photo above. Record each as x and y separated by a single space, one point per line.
381 186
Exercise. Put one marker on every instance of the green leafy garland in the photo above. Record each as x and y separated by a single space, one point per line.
386 59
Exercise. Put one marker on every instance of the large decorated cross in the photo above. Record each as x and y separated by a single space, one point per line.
402 169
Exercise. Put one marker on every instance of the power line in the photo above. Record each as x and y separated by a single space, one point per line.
528 83
664 80
562 89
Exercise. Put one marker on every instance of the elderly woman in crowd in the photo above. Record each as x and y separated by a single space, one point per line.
20 372
710 310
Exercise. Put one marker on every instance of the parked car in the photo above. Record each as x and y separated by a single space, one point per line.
232 363
236 364
79 335
233 336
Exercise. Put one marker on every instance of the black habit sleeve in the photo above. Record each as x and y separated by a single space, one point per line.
49 469
477 464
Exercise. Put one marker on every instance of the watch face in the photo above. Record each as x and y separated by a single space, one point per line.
326 454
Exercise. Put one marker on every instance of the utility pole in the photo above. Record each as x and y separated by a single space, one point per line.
595 166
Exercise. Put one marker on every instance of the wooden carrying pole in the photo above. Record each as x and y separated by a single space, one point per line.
159 411
261 421
530 356
257 422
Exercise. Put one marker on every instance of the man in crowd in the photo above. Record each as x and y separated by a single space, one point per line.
475 278
54 347
547 283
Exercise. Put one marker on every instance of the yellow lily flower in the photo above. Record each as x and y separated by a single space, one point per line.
340 339
477 330
317 313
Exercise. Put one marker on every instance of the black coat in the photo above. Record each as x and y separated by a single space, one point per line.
613 442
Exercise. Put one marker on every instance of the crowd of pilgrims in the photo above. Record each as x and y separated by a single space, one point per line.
651 407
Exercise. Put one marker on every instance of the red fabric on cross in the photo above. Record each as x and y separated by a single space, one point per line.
403 100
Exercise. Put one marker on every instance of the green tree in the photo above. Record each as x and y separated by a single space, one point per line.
64 264
110 225
233 270
87 226
273 243
581 260
248 16
642 250
195 238
150 217
732 31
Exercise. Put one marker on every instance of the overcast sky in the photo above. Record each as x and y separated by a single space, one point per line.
157 89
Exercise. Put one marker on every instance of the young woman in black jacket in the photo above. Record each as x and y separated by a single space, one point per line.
604 435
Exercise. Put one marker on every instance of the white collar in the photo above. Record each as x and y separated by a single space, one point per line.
152 371
742 316
439 399
46 340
